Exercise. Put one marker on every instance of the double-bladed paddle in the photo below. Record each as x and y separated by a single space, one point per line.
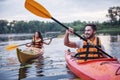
40 11
14 46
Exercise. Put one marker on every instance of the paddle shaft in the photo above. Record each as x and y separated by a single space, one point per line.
29 42
103 52
24 44
82 37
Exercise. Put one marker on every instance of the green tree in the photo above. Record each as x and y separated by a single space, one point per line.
21 27
3 26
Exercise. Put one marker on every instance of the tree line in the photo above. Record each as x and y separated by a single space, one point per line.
107 27
27 27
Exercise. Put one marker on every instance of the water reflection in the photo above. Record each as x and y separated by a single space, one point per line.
24 69
39 66
22 73
115 38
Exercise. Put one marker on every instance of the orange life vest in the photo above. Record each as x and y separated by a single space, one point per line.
88 52
37 43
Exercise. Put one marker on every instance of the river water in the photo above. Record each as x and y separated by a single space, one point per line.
51 66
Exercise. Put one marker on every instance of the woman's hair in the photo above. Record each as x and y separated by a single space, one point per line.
40 35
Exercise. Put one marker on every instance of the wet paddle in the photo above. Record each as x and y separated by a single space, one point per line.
40 11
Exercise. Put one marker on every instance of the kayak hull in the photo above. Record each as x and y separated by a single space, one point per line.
26 57
98 69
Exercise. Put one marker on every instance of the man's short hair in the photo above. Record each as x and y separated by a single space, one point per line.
93 26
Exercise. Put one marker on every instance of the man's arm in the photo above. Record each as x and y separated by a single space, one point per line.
67 42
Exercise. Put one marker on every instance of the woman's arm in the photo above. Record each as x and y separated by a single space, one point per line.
48 42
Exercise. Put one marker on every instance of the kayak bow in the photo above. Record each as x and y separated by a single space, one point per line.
98 69
26 56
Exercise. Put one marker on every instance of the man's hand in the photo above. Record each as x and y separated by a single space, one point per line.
70 31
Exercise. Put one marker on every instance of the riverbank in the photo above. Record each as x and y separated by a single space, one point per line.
10 37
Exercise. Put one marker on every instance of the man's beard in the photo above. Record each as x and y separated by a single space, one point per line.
88 36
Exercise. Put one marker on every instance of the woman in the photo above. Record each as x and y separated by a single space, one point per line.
37 43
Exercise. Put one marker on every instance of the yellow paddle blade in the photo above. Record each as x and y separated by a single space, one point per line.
37 9
11 47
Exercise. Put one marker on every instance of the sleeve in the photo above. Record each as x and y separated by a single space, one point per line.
79 44
103 48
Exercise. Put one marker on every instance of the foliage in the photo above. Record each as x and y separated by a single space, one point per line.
32 26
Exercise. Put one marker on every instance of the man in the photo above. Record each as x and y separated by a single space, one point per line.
86 50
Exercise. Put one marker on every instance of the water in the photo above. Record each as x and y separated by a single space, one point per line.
51 66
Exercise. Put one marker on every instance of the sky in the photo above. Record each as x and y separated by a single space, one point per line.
62 10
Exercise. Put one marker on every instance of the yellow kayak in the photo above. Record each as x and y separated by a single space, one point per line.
27 55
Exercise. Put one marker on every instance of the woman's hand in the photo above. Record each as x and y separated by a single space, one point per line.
28 44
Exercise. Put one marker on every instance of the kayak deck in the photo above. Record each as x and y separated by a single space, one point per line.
98 69
25 57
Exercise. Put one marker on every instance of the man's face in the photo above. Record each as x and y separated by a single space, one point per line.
89 32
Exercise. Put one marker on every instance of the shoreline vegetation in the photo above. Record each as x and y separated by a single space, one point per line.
14 29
